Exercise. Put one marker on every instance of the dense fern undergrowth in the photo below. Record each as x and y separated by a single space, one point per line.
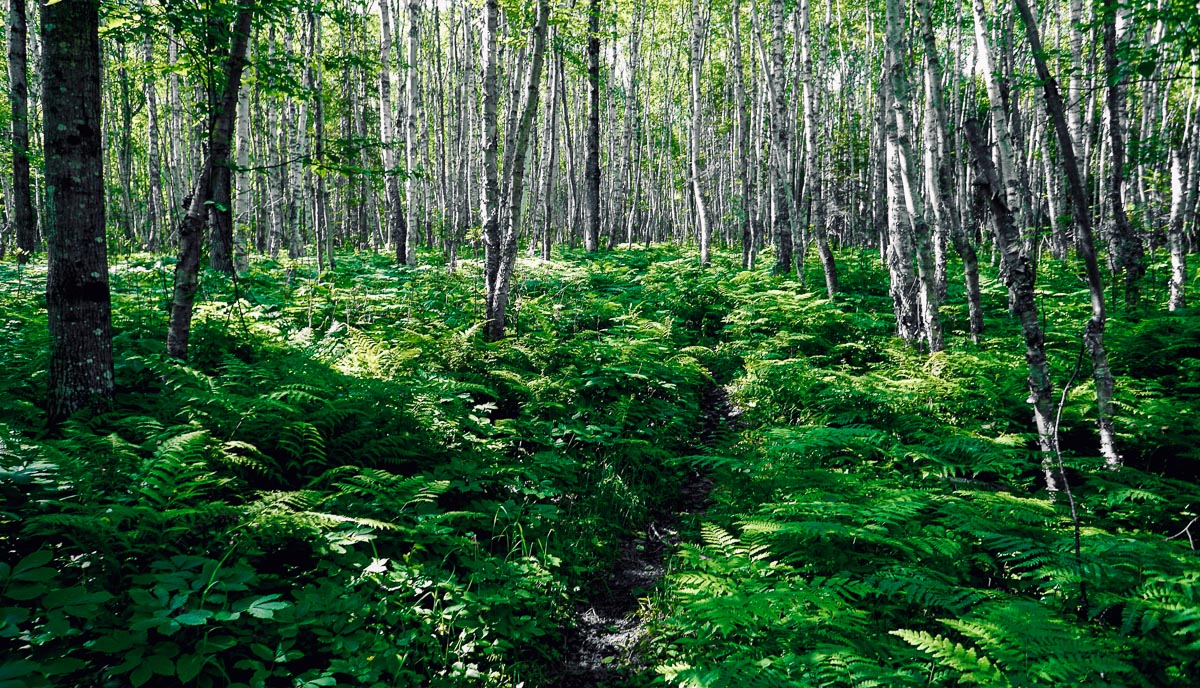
347 486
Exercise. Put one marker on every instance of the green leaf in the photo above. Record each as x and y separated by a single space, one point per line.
33 561
264 607
216 643
63 665
33 568
262 652
118 641
190 666
163 666
17 669
195 617
10 620
140 674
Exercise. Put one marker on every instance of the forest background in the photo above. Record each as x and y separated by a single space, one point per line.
937 255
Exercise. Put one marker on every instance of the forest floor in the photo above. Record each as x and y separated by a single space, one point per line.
603 643
346 485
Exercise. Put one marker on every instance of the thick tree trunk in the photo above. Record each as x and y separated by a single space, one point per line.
1094 333
591 174
23 219
187 268
78 303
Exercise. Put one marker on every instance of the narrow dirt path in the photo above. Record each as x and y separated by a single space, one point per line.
602 643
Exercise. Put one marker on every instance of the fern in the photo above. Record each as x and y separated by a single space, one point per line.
971 666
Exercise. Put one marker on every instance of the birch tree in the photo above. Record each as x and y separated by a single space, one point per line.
1019 276
914 296
781 216
501 243
744 210
410 133
700 17
940 179
395 229
1093 335
812 170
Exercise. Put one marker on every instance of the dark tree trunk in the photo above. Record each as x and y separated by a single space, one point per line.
18 96
500 266
1020 279
187 269
220 144
77 295
591 173
1093 336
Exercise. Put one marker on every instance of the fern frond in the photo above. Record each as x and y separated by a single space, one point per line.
972 666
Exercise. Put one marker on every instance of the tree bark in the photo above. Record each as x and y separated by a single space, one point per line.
410 134
220 148
591 174
23 219
1094 333
395 229
322 234
155 209
128 221
1009 177
779 145
502 250
939 170
1019 277
243 203
1176 240
78 303
915 300
812 170
699 203
551 163
743 208
1128 254
490 206
187 267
